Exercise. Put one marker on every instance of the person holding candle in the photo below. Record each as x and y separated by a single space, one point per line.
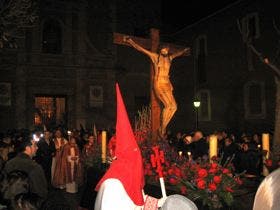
73 173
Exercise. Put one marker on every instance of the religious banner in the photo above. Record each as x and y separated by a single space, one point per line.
96 96
5 94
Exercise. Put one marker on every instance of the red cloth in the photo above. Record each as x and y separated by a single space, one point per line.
128 167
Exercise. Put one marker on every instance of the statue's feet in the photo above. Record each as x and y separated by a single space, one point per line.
161 133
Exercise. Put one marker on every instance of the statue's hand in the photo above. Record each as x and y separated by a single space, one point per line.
127 39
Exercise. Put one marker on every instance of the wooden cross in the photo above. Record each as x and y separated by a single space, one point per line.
151 44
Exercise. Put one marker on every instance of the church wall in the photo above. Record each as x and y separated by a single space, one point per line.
83 62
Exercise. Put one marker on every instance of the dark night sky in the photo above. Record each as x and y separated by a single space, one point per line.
176 14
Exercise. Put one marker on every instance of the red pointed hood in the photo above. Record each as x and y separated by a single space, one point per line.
128 167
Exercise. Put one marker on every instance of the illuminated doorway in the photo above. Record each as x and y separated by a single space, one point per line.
50 111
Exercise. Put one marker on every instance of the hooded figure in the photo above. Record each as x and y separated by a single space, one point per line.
121 188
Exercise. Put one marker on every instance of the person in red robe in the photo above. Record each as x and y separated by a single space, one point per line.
58 165
73 169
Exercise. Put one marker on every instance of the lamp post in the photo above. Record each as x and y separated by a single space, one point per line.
196 104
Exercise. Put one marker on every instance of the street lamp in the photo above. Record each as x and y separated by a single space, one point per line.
196 104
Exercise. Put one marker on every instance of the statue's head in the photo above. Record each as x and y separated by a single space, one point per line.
164 50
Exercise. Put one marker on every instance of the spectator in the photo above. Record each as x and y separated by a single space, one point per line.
250 160
199 146
45 153
23 162
229 150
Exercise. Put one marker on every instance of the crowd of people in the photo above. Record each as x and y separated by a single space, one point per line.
44 160
48 160
244 152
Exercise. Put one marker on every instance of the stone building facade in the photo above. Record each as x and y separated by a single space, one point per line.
66 66
236 90
68 62
61 75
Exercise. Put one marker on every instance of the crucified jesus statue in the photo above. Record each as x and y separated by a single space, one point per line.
162 86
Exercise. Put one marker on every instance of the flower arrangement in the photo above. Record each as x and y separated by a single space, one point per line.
210 184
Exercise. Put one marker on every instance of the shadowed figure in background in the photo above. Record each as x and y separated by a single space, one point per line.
161 84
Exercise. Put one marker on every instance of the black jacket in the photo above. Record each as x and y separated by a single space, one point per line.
37 179
199 148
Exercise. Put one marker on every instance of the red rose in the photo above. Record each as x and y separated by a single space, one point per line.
238 181
170 171
202 173
229 189
212 170
226 171
212 187
214 165
177 172
184 190
217 179
268 162
167 163
173 181
201 184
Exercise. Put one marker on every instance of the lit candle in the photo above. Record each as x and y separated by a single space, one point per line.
69 135
189 156
103 146
72 152
180 153
213 146
265 143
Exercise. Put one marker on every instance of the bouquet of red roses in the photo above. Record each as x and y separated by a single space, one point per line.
210 183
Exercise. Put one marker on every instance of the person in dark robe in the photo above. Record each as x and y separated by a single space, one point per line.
199 146
45 154
229 151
